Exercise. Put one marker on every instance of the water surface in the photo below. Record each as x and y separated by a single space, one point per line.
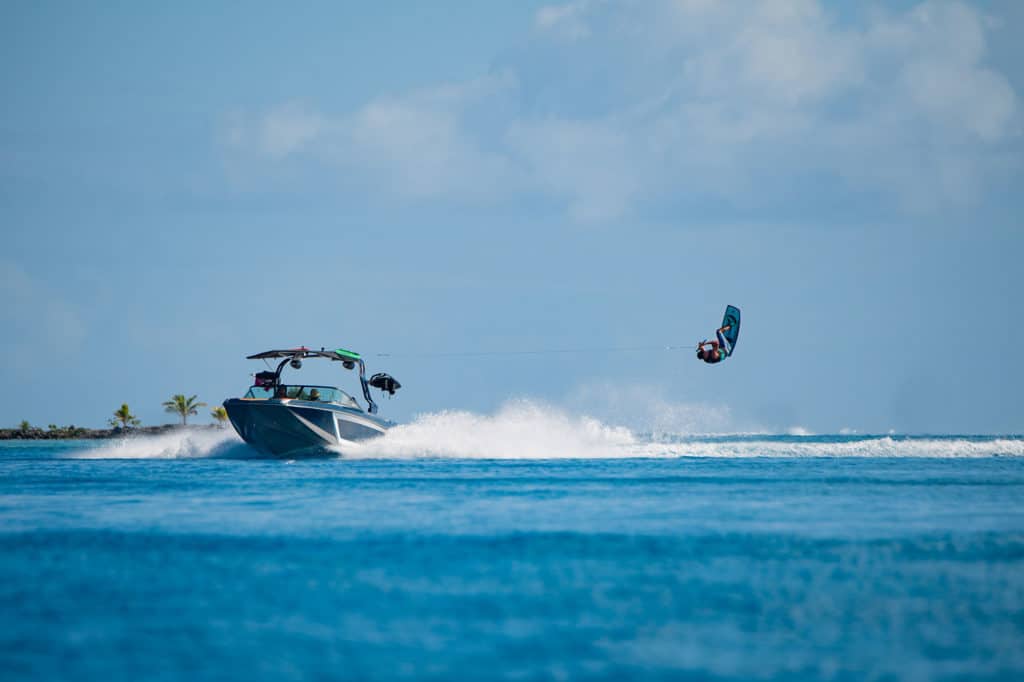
833 558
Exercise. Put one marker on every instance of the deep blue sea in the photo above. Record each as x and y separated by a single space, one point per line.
658 558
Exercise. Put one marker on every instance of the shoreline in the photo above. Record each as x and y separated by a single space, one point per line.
82 433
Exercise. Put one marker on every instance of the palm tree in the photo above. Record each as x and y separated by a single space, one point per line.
183 407
220 414
124 417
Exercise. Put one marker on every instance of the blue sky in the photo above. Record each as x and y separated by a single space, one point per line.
183 185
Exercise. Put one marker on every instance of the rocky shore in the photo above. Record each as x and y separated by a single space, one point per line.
79 432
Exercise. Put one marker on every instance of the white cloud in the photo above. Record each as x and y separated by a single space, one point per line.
566 20
786 54
417 145
287 130
281 132
937 51
423 143
688 98
585 162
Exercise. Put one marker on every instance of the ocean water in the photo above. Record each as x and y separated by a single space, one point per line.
472 548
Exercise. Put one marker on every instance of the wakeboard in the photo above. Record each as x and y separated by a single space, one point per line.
731 320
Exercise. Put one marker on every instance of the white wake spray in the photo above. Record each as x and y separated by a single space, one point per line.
876 446
172 445
524 430
519 430
529 430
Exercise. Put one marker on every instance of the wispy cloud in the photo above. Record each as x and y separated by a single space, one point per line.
432 142
423 144
39 317
613 107
567 20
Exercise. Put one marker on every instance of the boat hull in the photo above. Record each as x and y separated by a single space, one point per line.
283 427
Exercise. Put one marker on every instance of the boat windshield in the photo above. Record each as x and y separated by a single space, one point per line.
320 394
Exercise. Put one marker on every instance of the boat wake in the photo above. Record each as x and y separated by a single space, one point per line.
952 447
222 444
519 430
530 430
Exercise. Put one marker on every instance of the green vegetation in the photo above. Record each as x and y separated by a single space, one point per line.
122 423
220 414
26 431
183 407
123 418
71 431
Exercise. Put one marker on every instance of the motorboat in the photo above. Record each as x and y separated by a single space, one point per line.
280 418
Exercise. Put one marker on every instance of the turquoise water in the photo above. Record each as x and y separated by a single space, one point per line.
715 558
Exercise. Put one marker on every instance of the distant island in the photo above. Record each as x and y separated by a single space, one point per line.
123 423
82 433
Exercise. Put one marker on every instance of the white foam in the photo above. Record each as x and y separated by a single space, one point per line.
171 445
883 446
524 429
528 430
519 430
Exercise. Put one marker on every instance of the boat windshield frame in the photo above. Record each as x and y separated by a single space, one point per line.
303 392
